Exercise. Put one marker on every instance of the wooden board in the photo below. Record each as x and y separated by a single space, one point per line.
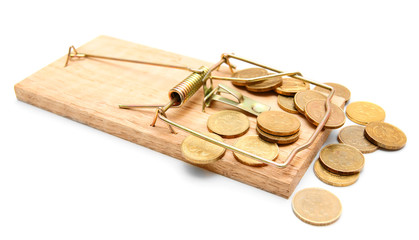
89 91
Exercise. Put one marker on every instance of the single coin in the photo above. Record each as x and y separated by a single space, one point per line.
365 112
248 73
287 104
278 139
316 109
385 135
257 146
342 159
265 85
340 90
290 86
200 151
316 206
354 135
278 123
303 97
228 123
332 178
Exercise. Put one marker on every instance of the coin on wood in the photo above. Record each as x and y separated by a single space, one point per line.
385 135
200 151
290 86
303 97
316 206
332 178
354 135
365 112
257 146
248 73
228 123
278 139
265 85
287 104
342 159
278 123
340 90
316 109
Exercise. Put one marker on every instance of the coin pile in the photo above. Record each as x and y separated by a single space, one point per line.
278 127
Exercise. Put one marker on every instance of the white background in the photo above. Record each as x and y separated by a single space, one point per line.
63 180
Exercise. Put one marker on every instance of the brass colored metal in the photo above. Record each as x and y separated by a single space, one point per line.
316 206
264 86
199 151
303 97
248 73
342 159
287 104
365 112
341 90
255 145
354 135
278 123
228 123
290 86
314 112
332 178
278 139
385 135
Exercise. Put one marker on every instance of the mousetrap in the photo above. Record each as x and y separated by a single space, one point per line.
92 87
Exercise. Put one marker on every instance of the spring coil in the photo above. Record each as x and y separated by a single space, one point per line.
188 87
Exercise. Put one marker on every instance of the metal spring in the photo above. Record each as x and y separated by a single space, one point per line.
188 87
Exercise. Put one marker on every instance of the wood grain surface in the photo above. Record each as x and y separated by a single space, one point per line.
90 90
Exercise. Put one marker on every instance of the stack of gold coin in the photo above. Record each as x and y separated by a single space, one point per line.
278 127
248 73
339 165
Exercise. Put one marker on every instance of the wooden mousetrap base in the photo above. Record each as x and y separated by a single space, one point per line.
90 90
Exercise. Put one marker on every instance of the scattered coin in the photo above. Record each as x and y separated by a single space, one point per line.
316 206
365 112
248 73
200 151
278 139
342 159
316 109
287 104
303 97
385 135
332 178
265 85
340 90
278 123
290 86
228 123
354 135
257 146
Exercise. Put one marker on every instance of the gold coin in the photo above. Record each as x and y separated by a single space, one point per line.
228 123
303 97
257 146
332 178
354 136
278 123
316 109
290 86
199 151
265 85
287 104
340 90
365 112
248 73
316 206
278 139
385 135
342 159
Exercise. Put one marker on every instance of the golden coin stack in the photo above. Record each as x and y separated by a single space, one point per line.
278 127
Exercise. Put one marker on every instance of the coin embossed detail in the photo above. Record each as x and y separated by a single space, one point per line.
278 123
332 178
278 139
303 97
228 123
290 86
354 135
200 151
342 159
316 206
365 112
385 135
316 109
248 73
257 146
